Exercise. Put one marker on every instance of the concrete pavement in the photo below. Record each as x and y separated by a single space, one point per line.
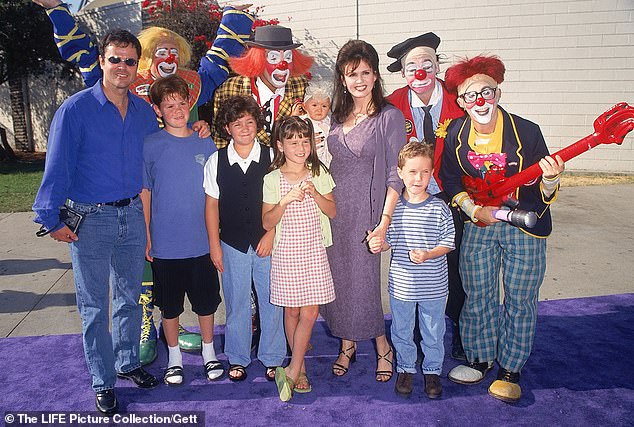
591 252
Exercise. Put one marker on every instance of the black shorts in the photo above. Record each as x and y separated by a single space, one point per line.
195 276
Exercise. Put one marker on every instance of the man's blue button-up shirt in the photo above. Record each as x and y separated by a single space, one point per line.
93 155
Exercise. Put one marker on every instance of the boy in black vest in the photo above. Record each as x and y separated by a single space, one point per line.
240 248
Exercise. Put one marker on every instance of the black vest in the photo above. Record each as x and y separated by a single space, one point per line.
240 200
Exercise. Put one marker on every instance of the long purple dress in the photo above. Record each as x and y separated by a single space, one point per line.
363 166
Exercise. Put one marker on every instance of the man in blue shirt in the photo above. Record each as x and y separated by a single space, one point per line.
94 164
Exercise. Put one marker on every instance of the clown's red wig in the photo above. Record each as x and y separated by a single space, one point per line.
491 66
252 63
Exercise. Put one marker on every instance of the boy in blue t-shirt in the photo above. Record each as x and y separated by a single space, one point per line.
174 207
421 233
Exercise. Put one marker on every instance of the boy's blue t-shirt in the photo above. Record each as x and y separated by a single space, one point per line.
174 174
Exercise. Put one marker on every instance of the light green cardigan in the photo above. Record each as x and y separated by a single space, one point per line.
271 194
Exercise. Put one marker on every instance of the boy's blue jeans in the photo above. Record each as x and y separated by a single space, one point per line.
110 252
431 319
239 269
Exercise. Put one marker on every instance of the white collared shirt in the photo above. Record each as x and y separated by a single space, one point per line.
266 93
435 97
210 182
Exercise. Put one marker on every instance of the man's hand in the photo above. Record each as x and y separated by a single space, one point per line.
485 215
48 4
551 167
203 129
64 235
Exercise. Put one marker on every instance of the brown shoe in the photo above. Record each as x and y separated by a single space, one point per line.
404 384
433 387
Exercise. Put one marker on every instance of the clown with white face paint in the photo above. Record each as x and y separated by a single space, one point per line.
278 68
490 139
419 69
428 108
271 70
165 62
479 96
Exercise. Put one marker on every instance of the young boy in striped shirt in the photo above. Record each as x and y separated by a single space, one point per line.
421 233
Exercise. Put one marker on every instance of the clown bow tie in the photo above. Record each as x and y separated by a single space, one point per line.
477 160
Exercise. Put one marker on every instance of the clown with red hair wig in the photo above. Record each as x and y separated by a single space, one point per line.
486 143
272 71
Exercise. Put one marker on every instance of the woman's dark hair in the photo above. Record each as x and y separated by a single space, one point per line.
235 108
289 127
351 54
119 38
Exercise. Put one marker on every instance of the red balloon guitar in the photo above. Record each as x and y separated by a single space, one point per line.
495 189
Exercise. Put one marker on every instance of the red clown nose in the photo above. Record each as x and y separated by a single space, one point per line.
170 59
480 102
283 65
420 74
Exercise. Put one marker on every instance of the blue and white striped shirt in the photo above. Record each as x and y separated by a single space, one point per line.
425 226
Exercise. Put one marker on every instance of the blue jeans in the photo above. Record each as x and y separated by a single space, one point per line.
431 319
110 251
240 268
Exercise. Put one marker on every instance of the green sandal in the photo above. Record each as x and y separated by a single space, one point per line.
303 379
285 384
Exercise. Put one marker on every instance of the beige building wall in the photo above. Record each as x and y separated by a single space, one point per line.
567 60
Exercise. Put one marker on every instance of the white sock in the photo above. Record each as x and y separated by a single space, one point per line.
175 357
209 353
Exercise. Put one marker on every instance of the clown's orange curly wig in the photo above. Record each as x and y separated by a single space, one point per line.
252 63
150 38
491 66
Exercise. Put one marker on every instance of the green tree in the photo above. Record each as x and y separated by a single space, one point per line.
26 49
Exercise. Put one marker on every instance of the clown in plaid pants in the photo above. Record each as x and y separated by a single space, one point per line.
488 332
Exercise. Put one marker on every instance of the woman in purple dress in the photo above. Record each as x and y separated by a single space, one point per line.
365 138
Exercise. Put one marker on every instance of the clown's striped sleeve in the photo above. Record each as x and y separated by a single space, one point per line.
234 30
74 45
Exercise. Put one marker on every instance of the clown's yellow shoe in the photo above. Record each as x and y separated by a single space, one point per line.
506 388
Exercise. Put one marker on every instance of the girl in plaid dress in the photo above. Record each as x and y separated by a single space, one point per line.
298 202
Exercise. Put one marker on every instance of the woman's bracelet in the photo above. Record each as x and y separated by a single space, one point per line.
389 217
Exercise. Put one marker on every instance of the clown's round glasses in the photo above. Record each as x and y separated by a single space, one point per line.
486 93
130 62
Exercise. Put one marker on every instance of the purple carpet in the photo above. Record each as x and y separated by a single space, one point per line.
580 374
